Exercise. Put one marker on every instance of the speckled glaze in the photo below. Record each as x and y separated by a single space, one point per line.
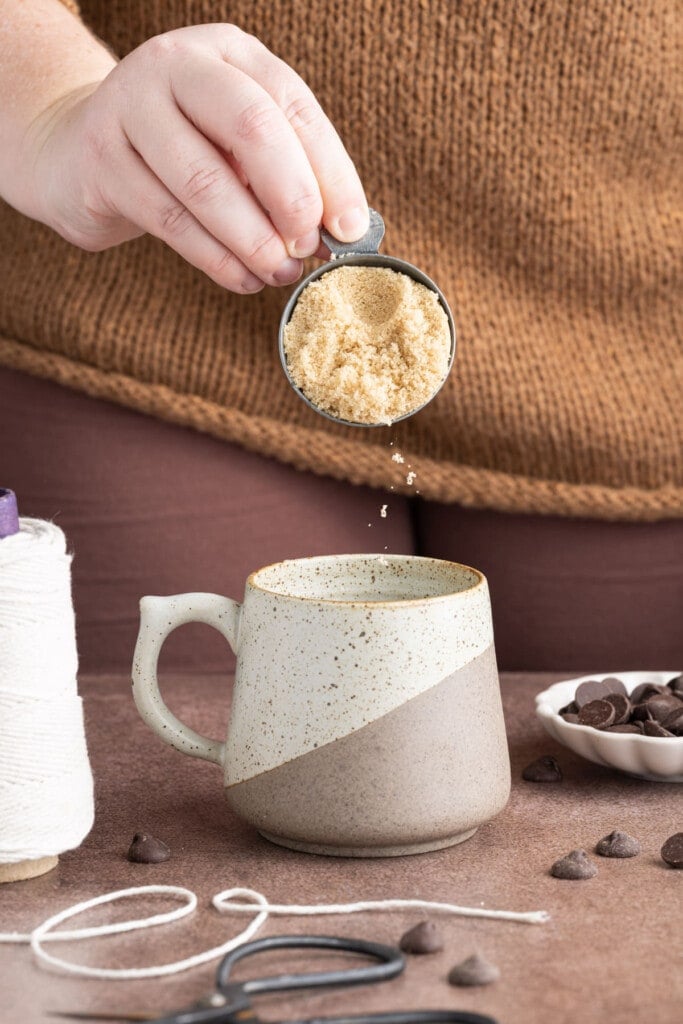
366 714
422 776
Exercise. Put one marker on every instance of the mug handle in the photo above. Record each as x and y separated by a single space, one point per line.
159 616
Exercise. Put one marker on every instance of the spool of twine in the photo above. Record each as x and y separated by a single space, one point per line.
46 787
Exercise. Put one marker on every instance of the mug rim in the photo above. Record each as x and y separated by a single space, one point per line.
430 599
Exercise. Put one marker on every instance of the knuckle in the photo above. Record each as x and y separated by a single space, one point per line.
266 251
256 124
89 228
173 219
304 114
340 182
82 238
224 268
233 35
308 202
203 184
242 43
168 44
94 142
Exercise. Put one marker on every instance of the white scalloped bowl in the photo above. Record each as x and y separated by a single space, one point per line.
646 757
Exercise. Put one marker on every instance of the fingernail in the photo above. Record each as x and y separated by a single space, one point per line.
306 245
287 272
352 225
251 284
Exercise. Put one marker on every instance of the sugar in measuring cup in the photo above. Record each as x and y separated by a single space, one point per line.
366 339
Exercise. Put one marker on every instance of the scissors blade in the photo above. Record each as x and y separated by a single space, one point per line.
198 1014
100 1015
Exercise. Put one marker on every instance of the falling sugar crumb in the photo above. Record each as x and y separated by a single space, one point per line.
411 476
397 457
383 511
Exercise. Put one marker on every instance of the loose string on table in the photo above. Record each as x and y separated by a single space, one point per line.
230 901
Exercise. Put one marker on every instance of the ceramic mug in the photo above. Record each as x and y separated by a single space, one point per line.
366 716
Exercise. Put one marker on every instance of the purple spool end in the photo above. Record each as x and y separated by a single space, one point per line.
9 513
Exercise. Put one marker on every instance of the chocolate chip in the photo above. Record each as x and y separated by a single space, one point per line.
649 702
589 691
618 844
597 713
423 938
672 851
652 728
476 970
543 769
641 712
615 685
674 722
662 704
676 685
576 865
645 690
569 709
147 849
621 705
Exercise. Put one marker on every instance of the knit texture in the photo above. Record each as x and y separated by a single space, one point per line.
526 156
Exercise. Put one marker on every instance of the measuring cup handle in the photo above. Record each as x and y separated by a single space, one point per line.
159 616
369 243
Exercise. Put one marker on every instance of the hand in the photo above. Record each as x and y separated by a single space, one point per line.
205 139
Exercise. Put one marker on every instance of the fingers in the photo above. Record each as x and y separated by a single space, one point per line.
242 118
345 208
144 200
207 185
227 155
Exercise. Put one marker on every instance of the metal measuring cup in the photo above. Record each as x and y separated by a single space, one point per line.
363 253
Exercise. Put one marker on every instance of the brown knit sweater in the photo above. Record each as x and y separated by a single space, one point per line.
527 156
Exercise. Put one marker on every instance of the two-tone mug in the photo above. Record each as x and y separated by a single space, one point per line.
366 714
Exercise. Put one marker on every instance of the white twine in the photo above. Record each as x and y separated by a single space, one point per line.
46 788
226 902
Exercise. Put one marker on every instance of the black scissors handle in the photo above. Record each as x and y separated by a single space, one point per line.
390 963
233 1003
416 1017
405 1017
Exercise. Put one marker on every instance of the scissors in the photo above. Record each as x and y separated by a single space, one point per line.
230 1003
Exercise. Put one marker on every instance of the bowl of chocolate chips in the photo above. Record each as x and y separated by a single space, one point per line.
632 721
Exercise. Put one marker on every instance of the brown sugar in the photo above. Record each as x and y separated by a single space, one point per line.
368 344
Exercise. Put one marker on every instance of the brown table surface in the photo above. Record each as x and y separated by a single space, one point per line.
607 955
